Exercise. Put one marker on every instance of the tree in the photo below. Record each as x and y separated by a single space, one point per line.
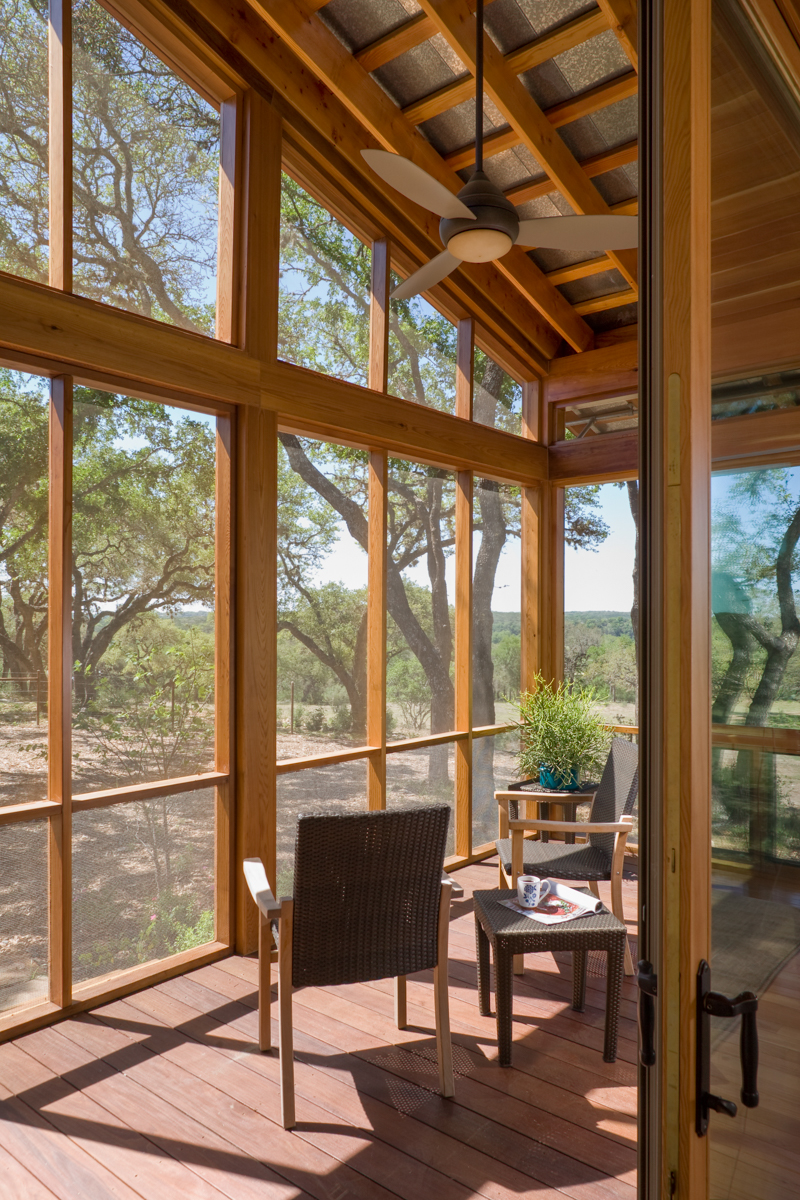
145 167
755 540
143 521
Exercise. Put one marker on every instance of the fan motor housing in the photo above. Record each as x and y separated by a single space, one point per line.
492 211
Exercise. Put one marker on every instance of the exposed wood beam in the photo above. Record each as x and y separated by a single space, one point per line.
609 370
598 164
622 17
584 460
592 266
331 409
582 105
411 33
323 55
505 324
601 303
523 114
328 138
123 352
768 436
528 56
408 35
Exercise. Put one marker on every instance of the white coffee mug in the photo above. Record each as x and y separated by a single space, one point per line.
531 889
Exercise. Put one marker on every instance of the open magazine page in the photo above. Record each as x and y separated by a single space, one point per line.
561 903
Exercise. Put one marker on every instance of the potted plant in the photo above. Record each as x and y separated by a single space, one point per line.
562 738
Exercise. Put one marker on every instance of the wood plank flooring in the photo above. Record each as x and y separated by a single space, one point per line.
163 1094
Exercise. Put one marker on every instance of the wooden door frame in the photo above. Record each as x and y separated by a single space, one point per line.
675 456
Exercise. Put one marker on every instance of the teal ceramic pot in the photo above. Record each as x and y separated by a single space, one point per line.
557 782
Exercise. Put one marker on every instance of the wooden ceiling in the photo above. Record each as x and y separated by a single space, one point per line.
534 150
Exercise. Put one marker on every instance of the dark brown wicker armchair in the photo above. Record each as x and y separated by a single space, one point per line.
369 902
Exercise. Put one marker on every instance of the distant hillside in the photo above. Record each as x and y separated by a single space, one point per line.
614 624
505 622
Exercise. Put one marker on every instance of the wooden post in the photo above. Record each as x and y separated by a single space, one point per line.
60 690
465 362
256 648
229 258
291 709
60 144
378 509
224 840
379 315
376 630
256 521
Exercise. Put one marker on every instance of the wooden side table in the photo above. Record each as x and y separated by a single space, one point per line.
509 933
544 797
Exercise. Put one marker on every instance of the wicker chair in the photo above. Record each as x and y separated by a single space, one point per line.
600 857
370 902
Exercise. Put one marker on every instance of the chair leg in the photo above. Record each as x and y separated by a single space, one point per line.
400 1014
594 888
619 913
264 984
441 1000
285 1015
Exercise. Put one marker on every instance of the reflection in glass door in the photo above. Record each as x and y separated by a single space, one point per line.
755 167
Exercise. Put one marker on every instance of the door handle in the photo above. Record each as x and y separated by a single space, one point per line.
714 1004
647 982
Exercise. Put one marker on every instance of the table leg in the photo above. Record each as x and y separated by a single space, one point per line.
614 972
502 1001
482 955
579 980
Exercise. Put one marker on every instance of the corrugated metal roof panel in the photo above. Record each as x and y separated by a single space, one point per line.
613 318
357 23
513 23
591 286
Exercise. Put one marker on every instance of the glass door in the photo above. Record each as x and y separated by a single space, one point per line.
755 591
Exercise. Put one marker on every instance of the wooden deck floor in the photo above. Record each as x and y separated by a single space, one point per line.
162 1095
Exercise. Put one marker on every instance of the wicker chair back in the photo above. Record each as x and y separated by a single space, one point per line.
366 894
616 795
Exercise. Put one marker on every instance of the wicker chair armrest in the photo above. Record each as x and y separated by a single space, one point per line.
456 888
260 890
623 826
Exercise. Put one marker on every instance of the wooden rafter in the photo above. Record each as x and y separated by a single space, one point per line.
598 164
408 35
323 55
454 20
612 300
531 55
411 33
582 105
622 17
328 138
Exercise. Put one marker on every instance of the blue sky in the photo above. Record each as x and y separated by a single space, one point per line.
599 580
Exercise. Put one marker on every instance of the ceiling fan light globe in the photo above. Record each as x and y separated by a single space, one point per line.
480 245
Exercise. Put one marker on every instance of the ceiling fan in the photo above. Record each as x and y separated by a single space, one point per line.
480 224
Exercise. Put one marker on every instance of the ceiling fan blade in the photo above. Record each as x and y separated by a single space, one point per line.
434 271
580 233
415 184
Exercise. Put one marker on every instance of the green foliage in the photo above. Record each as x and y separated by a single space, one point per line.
151 710
560 730
584 527
174 925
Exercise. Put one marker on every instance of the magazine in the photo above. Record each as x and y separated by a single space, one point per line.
561 903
